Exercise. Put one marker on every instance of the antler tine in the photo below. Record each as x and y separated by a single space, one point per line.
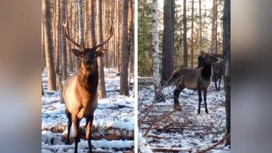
111 34
66 31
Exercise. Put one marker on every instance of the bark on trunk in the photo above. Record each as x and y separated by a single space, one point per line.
200 26
125 52
168 40
104 26
48 46
192 36
155 47
43 51
185 48
69 58
63 40
101 83
119 44
92 23
57 39
214 28
227 55
80 22
80 26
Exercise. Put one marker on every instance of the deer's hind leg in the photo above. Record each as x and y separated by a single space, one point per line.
177 91
205 100
220 76
215 81
69 116
199 100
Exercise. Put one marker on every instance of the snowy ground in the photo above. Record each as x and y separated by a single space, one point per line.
185 130
114 115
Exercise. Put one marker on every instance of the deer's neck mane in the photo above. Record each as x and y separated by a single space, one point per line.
87 81
206 72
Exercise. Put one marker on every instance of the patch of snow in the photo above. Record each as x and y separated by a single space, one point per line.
142 144
185 129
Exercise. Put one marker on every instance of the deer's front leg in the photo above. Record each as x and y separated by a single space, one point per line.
89 122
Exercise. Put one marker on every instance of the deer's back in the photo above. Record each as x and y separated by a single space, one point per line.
191 78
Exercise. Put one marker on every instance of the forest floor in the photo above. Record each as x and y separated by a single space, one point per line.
167 130
113 126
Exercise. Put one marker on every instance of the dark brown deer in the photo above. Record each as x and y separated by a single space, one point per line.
194 79
218 70
80 90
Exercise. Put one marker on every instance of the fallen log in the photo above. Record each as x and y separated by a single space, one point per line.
155 136
108 137
158 149
61 128
108 133
66 148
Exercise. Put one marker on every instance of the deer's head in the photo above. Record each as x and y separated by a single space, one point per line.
88 56
206 59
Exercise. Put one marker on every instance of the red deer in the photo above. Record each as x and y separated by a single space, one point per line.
195 79
80 90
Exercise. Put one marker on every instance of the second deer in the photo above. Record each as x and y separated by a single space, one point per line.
194 79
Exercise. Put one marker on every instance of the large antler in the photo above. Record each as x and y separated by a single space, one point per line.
111 33
66 30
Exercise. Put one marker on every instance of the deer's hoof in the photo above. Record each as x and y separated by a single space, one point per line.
177 107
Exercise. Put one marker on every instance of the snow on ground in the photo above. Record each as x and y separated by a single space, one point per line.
114 113
185 129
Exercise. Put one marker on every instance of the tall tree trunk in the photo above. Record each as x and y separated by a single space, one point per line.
168 40
192 36
119 32
93 23
86 10
214 27
132 37
101 84
80 27
185 48
63 40
124 52
49 46
116 56
106 8
57 40
200 26
69 58
227 54
74 32
155 47
43 51
80 22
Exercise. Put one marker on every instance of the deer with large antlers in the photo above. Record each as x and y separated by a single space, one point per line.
80 90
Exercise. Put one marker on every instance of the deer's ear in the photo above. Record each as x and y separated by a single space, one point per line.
100 52
77 53
202 53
